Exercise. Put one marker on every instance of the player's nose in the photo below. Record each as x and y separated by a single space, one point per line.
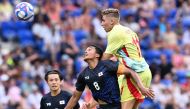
84 53
102 24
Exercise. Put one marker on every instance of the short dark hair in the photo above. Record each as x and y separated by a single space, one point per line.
111 12
98 51
53 72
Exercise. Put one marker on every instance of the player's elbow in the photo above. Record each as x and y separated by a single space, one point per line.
76 95
127 71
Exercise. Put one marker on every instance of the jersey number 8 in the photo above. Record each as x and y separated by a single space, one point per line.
97 87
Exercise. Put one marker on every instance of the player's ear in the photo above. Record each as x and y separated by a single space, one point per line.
97 55
112 21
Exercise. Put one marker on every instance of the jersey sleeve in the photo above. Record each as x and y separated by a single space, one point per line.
80 84
42 103
77 106
120 69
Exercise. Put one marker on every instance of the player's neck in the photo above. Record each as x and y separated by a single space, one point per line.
56 92
113 26
116 24
92 63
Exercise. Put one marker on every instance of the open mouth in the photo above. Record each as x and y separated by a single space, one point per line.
85 55
54 86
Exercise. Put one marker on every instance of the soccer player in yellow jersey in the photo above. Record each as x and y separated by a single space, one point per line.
123 43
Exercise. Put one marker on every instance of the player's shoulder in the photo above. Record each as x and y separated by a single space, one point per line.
83 72
107 62
65 93
120 30
46 96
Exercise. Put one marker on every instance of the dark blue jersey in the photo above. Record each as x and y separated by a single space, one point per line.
102 81
56 102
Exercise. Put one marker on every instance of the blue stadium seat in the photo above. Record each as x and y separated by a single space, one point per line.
152 54
185 22
79 35
8 25
25 34
111 2
76 12
159 12
147 104
168 53
172 13
145 43
78 65
62 14
8 30
181 76
153 23
93 12
22 25
172 22
25 43
126 12
26 38
9 34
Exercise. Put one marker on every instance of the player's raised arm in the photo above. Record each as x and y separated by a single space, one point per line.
106 56
145 91
73 100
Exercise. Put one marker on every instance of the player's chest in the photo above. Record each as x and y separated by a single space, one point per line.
52 103
97 75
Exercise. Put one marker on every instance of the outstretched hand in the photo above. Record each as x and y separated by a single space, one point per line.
85 106
147 92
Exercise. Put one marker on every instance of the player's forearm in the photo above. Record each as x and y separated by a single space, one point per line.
136 78
127 71
73 100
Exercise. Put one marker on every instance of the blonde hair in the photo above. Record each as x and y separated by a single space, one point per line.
111 12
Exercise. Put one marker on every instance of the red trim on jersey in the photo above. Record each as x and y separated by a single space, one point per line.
139 51
121 90
125 51
134 90
131 86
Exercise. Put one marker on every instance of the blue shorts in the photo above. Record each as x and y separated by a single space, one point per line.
110 106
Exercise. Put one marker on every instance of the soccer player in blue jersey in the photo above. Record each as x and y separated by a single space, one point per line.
101 78
56 98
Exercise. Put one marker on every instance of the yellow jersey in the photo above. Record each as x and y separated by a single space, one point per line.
124 44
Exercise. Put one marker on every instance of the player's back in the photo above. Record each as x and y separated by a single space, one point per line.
102 81
124 43
127 40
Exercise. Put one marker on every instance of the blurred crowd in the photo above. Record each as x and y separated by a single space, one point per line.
62 29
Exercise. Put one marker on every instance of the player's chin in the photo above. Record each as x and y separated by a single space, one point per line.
54 88
85 58
106 29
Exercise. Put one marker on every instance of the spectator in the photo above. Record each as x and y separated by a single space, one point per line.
170 38
165 66
5 15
